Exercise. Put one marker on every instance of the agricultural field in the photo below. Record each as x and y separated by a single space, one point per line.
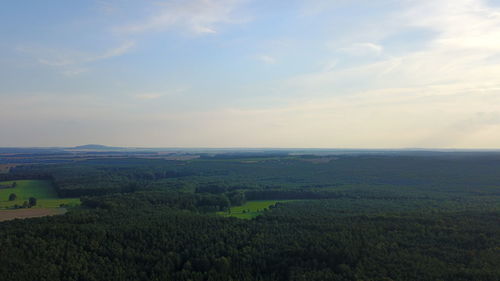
42 190
30 213
5 168
251 209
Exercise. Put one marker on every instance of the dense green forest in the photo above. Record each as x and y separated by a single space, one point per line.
353 217
470 173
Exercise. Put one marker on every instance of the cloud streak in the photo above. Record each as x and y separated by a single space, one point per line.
266 59
70 62
67 58
362 49
194 16
468 32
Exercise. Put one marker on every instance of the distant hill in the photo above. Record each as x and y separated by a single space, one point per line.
96 147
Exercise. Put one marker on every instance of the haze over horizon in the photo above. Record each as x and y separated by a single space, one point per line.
250 73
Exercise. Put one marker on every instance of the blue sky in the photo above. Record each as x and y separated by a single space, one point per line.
251 73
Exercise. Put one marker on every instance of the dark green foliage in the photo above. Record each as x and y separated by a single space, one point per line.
32 201
192 202
236 198
382 175
158 236
101 177
12 197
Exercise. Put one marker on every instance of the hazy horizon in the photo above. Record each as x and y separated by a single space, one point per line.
251 74
257 149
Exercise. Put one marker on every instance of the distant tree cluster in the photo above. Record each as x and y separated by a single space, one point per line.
26 204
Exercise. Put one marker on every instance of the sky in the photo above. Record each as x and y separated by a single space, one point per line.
250 73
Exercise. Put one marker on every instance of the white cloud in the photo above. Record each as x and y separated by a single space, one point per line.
115 52
460 23
105 6
266 59
71 62
195 16
362 49
149 96
377 119
157 95
383 118
74 71
445 94
468 34
53 57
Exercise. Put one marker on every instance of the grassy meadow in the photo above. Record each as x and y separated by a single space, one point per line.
250 209
42 190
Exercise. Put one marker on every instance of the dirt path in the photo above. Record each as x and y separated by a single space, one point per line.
30 213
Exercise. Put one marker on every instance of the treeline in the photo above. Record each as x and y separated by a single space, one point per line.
292 194
187 201
25 176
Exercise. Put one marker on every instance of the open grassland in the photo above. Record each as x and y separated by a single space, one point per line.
42 190
251 209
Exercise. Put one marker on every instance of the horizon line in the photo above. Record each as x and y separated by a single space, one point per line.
103 147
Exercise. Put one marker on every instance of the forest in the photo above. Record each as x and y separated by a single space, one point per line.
349 217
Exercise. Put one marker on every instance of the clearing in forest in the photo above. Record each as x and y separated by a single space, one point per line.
251 209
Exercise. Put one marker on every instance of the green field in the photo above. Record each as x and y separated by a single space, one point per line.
42 190
251 209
